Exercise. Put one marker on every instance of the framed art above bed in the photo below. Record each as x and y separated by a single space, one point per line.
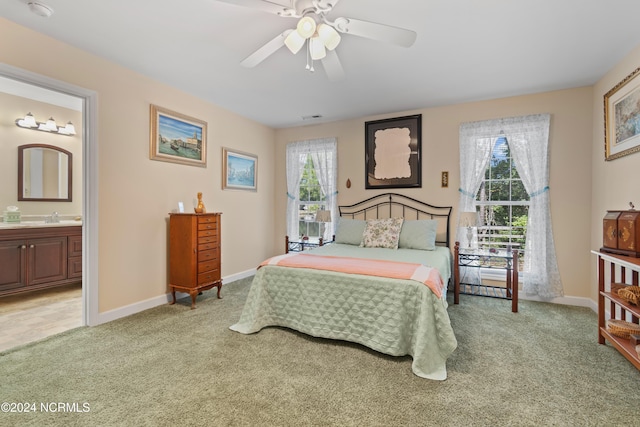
392 152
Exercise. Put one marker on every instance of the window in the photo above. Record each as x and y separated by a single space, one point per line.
487 151
312 168
311 200
502 202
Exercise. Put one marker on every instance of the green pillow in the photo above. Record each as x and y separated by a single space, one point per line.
419 234
350 231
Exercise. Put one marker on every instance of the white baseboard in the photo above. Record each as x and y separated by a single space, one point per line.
130 309
575 301
137 307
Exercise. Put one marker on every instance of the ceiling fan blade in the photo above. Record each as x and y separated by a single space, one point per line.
332 66
265 6
375 31
265 51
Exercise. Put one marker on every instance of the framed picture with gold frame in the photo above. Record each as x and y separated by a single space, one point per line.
177 138
622 118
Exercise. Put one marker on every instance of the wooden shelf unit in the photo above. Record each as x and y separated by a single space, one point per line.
621 269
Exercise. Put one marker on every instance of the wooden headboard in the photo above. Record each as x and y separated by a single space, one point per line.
391 205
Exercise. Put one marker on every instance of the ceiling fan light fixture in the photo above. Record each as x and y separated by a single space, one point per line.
294 42
316 48
306 27
329 36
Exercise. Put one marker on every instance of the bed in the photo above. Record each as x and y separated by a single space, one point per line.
392 300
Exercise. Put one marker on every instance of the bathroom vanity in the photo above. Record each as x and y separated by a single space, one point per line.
39 255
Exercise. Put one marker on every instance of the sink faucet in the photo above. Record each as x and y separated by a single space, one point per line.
53 218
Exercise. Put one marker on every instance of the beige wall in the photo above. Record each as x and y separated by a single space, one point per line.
615 182
12 136
136 193
570 165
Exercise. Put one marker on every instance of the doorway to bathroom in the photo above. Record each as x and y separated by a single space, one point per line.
35 314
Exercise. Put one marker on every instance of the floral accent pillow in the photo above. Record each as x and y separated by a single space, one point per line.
382 233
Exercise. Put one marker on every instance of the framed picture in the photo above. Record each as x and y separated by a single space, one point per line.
239 170
392 152
622 118
177 138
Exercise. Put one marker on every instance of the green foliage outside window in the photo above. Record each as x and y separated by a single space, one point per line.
311 200
503 202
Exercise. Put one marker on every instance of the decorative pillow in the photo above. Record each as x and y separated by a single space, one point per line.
382 233
350 231
419 234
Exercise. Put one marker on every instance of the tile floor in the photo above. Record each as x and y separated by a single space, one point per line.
33 316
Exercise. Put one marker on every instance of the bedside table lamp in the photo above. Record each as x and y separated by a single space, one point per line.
469 221
323 216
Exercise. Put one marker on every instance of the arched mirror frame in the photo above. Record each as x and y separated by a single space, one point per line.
21 197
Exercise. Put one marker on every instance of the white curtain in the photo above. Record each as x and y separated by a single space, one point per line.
528 139
324 154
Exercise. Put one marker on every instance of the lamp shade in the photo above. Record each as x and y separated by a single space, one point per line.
468 219
323 216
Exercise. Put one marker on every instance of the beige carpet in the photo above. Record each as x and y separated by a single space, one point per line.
174 366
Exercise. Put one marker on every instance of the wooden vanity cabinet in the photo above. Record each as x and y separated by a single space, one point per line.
194 253
37 258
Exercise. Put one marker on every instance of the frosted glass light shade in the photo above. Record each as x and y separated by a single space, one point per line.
306 27
294 42
70 129
329 36
316 48
30 121
51 125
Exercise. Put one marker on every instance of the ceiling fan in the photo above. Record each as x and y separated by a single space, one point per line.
320 35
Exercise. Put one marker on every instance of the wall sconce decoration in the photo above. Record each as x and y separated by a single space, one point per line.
444 180
29 122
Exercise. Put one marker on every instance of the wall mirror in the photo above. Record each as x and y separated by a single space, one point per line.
44 173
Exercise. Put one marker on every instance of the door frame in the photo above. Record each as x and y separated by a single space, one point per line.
90 307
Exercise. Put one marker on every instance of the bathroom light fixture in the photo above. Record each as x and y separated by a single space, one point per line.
29 122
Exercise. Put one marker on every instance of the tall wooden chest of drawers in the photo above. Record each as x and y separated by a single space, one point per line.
194 254
621 233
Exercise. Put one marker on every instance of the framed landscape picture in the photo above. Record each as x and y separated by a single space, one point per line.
239 170
177 138
392 152
622 118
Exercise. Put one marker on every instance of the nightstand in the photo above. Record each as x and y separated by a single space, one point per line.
302 245
474 258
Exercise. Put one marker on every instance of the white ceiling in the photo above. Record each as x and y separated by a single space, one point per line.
466 50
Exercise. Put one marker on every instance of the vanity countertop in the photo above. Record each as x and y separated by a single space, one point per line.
39 224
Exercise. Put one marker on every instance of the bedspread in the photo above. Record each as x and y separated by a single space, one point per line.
393 316
368 267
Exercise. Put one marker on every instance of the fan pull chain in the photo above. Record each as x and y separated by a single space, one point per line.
309 67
